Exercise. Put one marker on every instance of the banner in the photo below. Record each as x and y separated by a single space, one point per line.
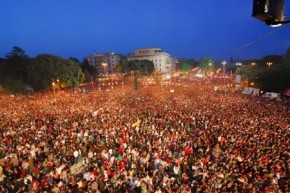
238 79
137 123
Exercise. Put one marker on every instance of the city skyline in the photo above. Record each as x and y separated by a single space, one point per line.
185 29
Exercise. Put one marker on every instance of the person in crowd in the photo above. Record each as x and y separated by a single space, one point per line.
153 140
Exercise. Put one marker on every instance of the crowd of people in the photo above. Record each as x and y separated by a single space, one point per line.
182 137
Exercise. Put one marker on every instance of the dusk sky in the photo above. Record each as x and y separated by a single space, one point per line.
183 28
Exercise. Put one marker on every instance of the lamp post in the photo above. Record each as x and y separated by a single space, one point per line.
135 79
209 65
224 66
58 86
269 64
53 86
209 68
224 69
104 64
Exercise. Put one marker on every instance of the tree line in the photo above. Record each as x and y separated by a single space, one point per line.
19 73
270 73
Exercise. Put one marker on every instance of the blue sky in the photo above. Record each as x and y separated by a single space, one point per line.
183 28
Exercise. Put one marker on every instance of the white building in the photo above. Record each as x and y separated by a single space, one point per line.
104 63
163 62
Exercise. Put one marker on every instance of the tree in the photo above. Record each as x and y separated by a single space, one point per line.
13 85
276 77
124 65
13 70
206 65
249 73
15 64
16 52
275 59
75 60
87 77
143 66
118 68
287 57
269 79
77 76
89 70
2 74
285 71
186 64
45 68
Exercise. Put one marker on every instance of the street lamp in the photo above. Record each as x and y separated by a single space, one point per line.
209 65
224 69
104 64
224 66
209 68
269 64
53 86
58 86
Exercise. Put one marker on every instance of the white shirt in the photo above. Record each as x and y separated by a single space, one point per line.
76 153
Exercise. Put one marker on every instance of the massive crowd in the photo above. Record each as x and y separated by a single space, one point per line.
182 137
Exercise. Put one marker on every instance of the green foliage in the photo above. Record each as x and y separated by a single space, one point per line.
12 85
185 67
276 77
87 76
44 69
275 59
13 71
15 63
206 65
249 73
118 68
287 57
75 60
124 66
89 71
75 72
2 68
17 69
272 79
16 52
186 64
143 66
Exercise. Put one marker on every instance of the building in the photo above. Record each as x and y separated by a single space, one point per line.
163 62
105 63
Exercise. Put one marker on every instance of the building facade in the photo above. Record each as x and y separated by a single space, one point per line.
163 62
105 63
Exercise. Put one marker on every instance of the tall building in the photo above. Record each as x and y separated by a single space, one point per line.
163 61
104 63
